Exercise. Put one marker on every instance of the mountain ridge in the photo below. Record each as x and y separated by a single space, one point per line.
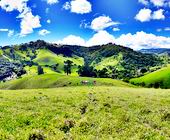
109 59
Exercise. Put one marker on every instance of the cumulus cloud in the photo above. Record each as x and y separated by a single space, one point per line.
100 38
135 41
52 1
10 5
143 40
72 40
78 6
158 3
44 32
28 20
144 15
102 22
158 15
145 2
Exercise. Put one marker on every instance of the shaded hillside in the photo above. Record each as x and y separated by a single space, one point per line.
110 60
10 70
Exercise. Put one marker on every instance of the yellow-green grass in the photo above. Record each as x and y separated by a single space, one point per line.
58 80
111 61
85 113
1 53
46 57
33 70
161 76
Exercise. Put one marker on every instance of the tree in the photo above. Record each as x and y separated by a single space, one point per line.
67 66
40 70
87 71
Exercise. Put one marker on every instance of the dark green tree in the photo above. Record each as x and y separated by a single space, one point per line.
67 66
40 70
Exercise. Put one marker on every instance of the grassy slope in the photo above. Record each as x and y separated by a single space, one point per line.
95 113
46 57
108 61
162 75
57 80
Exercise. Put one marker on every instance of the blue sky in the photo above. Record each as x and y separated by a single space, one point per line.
132 23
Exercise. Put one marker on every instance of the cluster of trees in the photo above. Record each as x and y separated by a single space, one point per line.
158 84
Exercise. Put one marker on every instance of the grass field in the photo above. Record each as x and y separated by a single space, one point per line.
161 76
54 80
85 113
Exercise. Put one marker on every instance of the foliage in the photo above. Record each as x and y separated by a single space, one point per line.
40 70
67 66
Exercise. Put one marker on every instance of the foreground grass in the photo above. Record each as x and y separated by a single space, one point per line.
85 113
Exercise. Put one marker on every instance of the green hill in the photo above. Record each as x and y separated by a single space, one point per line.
58 80
159 78
111 57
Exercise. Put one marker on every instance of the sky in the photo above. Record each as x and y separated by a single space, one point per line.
132 23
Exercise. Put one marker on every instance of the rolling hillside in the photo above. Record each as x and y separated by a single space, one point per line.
111 58
159 78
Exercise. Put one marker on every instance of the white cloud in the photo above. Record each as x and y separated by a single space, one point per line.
28 20
67 6
143 40
3 30
52 1
72 40
135 41
163 29
145 2
78 6
28 23
48 21
159 14
10 33
100 38
102 22
167 29
44 32
144 15
10 5
116 29
158 3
